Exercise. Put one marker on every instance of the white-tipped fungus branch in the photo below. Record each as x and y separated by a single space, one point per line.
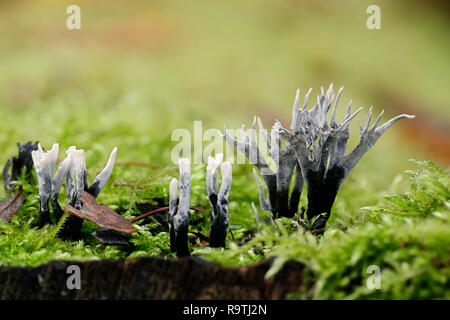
44 164
73 168
178 217
318 148
277 182
218 199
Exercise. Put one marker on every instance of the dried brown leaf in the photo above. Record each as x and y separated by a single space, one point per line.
10 206
100 214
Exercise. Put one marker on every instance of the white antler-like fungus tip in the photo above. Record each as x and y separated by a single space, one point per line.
106 172
173 189
173 185
102 178
214 163
226 169
111 160
45 160
70 155
185 165
71 150
112 156
61 173
79 159
36 158
295 108
53 154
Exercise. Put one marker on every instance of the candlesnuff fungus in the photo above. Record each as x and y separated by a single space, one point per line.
17 163
173 204
44 164
277 182
218 198
319 149
57 182
178 217
103 177
76 183
73 168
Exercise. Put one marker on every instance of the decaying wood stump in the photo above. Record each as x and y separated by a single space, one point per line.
150 278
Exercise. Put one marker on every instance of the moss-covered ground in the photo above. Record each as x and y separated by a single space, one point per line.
133 74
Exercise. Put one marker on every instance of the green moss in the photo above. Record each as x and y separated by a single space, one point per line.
429 191
411 252
406 235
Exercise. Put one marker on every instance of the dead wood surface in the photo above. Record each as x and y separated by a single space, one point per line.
150 278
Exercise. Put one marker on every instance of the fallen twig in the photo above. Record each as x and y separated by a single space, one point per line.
162 209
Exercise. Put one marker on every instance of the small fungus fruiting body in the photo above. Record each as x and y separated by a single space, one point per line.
44 164
218 199
77 183
178 217
16 164
103 177
316 149
76 180
73 169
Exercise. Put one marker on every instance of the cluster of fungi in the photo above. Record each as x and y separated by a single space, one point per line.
311 154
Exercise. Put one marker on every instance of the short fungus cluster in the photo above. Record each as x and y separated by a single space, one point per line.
73 170
178 217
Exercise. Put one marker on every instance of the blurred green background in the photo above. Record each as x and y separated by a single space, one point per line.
139 69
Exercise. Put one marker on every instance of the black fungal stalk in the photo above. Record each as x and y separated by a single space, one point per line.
218 199
178 217
16 164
